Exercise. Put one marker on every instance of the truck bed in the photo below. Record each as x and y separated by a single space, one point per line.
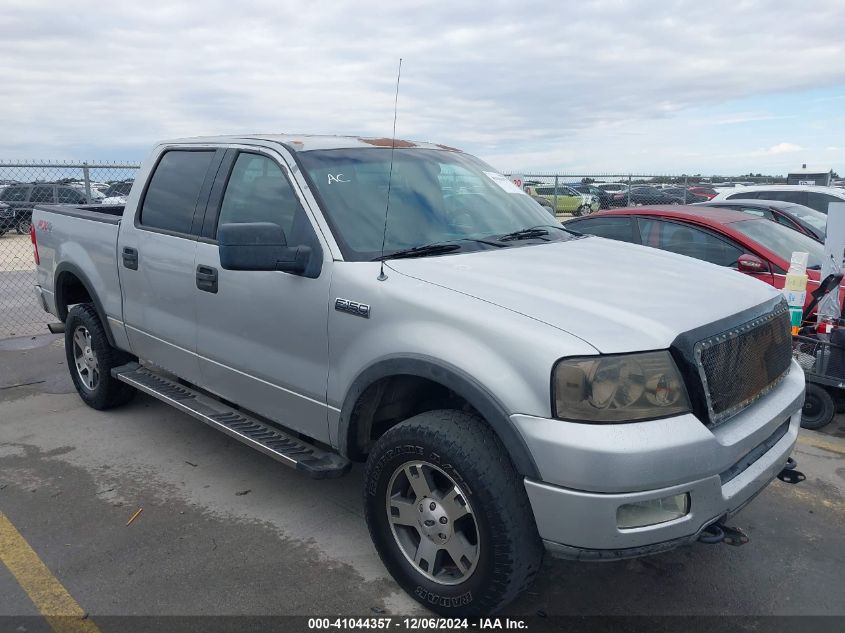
80 240
110 213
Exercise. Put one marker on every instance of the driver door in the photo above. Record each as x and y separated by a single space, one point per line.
261 335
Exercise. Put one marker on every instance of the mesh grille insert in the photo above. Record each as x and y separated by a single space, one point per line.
740 365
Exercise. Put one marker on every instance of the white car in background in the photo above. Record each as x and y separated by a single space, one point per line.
96 194
811 196
117 193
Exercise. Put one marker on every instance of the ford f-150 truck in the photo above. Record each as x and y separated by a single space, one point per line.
513 387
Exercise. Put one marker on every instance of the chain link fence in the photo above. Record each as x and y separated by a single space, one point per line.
580 194
23 184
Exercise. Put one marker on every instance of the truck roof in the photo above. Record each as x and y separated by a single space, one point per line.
306 142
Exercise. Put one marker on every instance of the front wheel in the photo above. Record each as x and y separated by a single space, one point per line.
584 209
449 516
90 360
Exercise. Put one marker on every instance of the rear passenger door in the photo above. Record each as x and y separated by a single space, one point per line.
156 260
262 335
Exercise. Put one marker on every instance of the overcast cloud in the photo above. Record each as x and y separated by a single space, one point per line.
579 86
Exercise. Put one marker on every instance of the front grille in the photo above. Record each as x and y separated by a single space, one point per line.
742 364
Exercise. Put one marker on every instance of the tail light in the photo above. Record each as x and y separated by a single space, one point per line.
34 244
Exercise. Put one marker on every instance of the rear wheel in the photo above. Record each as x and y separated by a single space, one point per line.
819 407
449 516
90 360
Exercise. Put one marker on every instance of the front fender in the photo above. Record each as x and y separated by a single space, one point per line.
453 378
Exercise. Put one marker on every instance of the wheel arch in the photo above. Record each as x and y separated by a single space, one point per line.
449 378
69 284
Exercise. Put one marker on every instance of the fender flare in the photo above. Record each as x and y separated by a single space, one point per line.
66 267
454 379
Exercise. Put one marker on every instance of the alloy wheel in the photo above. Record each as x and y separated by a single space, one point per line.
432 522
87 366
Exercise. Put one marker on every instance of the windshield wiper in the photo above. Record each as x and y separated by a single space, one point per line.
524 234
534 232
421 251
437 248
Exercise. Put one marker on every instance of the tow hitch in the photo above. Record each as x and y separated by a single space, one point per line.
720 533
789 474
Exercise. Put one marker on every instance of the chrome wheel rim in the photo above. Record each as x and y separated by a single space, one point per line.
87 367
433 523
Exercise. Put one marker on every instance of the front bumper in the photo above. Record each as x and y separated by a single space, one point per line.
588 471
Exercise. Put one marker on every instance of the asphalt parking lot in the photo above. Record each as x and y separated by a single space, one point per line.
225 530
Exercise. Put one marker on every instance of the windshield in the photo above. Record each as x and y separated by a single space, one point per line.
814 218
435 196
782 241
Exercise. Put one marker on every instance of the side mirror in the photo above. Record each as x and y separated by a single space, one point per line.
260 246
751 264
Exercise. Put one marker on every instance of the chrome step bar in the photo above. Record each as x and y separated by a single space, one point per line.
270 440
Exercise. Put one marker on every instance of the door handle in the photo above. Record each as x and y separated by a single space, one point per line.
207 279
130 258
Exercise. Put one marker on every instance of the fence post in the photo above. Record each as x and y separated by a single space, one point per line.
87 178
554 202
686 184
629 190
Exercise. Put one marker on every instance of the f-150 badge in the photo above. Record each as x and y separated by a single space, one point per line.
352 307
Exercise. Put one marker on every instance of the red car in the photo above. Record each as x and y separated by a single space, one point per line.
701 190
754 246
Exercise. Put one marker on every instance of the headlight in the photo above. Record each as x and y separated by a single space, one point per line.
621 388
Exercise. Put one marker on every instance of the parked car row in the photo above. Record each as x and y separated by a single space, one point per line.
18 200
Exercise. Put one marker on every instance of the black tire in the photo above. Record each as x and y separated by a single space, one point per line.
838 400
23 226
509 550
107 392
819 407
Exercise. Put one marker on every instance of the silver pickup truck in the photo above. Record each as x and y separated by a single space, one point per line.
512 386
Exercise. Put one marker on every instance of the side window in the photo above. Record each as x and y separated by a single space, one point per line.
14 194
820 201
69 195
797 197
258 191
43 193
690 241
614 228
174 188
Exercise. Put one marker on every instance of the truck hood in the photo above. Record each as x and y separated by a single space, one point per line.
618 297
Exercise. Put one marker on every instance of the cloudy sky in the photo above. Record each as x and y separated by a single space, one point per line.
603 86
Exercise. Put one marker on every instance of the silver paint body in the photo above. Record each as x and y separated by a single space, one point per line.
273 343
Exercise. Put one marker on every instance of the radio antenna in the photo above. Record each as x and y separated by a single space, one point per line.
381 275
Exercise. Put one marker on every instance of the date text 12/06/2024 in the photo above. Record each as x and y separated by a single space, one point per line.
415 624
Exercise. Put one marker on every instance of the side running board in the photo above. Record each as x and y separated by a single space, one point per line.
291 451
